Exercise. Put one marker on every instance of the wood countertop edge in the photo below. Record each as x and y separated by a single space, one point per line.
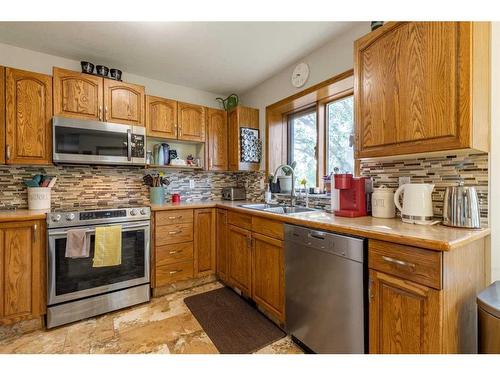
22 215
342 229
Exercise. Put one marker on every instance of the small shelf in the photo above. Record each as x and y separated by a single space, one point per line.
183 167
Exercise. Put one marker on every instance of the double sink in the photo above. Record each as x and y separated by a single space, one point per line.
276 208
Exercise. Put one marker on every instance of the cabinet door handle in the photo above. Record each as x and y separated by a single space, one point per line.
100 113
174 232
400 263
106 113
8 152
35 232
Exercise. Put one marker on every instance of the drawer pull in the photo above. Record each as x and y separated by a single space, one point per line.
174 272
174 252
175 232
401 263
175 217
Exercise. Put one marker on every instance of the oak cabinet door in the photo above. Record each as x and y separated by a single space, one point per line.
78 95
239 252
192 122
240 117
217 139
123 103
268 278
204 241
20 270
404 316
411 88
234 141
28 117
221 245
2 115
161 117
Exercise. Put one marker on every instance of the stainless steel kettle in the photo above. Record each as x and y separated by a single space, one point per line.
461 207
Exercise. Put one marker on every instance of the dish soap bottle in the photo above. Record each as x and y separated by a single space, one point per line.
268 196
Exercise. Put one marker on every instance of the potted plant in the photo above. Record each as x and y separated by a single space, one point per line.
286 180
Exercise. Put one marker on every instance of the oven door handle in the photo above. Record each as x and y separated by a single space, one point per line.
90 231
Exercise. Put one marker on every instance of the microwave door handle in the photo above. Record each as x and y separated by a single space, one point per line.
129 144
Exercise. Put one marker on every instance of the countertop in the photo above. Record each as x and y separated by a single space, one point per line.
22 215
435 237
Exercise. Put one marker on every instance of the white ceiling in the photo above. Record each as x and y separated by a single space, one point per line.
219 57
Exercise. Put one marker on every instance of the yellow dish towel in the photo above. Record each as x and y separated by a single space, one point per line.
108 246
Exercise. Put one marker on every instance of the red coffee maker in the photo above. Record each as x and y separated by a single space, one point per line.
352 200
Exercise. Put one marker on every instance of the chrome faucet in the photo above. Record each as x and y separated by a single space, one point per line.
292 192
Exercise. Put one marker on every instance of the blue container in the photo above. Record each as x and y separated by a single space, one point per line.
157 195
166 153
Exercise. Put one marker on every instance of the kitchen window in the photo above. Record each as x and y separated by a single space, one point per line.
302 145
340 135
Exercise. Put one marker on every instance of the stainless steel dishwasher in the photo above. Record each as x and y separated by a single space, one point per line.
325 287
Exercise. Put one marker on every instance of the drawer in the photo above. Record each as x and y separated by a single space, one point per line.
170 273
239 220
169 234
267 227
174 217
174 253
410 263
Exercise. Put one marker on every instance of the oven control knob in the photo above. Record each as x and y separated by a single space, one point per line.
133 212
56 218
70 217
143 211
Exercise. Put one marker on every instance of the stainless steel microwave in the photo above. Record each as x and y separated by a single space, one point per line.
94 142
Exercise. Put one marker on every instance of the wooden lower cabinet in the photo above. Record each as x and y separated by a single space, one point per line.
221 245
239 250
404 316
268 274
204 241
22 271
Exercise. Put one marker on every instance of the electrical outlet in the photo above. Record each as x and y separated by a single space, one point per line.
404 180
191 184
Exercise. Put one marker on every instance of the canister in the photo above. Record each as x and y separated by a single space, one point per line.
383 202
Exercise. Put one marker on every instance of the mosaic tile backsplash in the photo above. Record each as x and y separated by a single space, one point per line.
80 187
442 171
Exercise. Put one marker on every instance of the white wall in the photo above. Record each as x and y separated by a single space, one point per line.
494 169
325 62
21 58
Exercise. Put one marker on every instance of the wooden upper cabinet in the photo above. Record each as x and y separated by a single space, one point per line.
192 122
28 117
217 139
239 252
78 95
204 242
422 86
240 117
21 271
2 115
124 103
404 316
268 274
161 117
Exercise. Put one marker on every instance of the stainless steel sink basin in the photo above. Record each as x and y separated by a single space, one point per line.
277 209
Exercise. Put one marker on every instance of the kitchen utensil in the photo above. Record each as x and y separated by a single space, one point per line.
176 198
38 179
52 182
102 70
30 183
417 203
461 207
45 182
87 67
148 180
116 74
383 202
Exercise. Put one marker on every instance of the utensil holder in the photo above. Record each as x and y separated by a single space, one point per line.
39 198
157 195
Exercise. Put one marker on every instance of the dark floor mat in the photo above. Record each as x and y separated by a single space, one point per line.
232 324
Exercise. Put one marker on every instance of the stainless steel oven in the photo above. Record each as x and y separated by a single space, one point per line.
94 142
75 289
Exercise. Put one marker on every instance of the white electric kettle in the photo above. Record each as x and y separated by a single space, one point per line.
417 203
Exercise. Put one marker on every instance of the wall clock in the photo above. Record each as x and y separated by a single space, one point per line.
300 75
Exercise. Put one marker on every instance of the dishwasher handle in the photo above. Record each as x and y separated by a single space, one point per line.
318 235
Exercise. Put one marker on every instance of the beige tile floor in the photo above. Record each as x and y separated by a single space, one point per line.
165 325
